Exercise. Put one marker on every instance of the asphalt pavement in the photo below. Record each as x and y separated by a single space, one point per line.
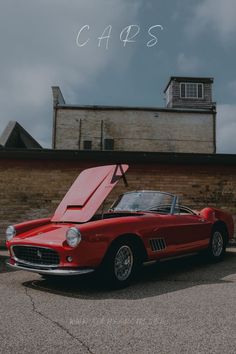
181 306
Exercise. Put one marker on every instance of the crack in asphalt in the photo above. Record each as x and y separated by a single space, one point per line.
55 322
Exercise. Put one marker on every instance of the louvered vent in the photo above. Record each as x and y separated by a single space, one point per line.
157 244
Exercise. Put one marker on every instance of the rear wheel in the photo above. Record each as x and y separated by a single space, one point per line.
217 245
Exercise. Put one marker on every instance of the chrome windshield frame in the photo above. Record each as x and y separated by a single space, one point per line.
175 198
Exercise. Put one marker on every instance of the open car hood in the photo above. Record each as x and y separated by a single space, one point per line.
88 192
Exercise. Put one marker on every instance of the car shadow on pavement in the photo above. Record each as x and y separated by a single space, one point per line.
3 267
152 280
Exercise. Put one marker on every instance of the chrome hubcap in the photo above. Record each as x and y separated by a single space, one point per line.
217 244
123 263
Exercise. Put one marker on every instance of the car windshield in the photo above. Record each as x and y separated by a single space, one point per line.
144 201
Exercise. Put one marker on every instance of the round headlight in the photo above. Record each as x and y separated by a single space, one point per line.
10 233
73 236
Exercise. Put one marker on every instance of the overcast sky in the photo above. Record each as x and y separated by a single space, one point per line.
38 50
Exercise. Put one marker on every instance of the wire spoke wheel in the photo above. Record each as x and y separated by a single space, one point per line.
123 263
217 244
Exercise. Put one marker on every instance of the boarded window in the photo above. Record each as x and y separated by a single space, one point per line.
87 145
108 144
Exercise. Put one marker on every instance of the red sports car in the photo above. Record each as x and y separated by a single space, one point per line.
140 226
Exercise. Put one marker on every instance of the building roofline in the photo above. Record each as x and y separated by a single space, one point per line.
119 156
14 126
189 79
132 108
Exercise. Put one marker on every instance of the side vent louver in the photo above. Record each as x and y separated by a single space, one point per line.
157 244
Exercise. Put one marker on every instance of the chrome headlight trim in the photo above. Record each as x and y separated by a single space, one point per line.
73 236
10 233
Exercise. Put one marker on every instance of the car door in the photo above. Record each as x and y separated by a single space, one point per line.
184 233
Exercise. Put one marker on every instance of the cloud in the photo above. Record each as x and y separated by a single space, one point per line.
226 128
214 15
188 64
38 50
232 88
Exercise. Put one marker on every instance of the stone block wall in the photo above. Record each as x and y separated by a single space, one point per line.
135 130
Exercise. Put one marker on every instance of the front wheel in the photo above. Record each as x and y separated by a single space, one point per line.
47 276
120 264
217 245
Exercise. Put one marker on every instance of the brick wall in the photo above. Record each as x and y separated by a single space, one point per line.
33 188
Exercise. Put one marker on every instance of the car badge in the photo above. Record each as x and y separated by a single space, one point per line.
39 254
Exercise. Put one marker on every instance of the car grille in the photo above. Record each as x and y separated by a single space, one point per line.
157 244
36 255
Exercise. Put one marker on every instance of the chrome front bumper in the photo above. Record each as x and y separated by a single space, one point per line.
57 271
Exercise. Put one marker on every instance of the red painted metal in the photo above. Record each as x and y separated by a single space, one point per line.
88 193
182 233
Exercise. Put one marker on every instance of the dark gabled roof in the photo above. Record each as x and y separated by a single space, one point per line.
209 80
15 136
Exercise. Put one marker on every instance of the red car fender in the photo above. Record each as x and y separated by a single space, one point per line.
214 215
29 225
104 234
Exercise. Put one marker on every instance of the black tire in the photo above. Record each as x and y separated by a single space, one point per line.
49 277
115 272
217 245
